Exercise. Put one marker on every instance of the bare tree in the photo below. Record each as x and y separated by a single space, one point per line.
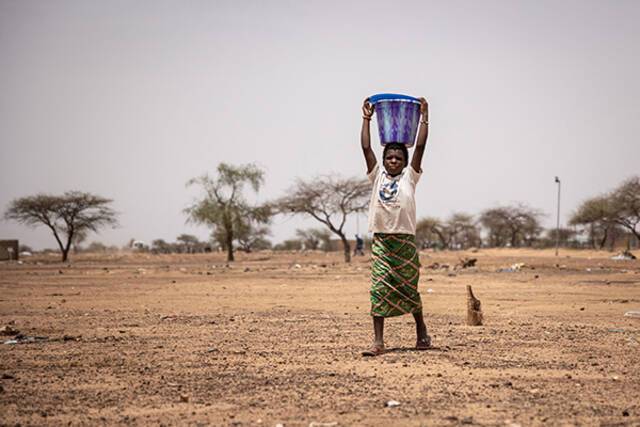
66 215
328 200
223 206
515 225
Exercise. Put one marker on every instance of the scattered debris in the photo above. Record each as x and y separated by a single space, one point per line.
438 266
624 255
632 313
429 291
317 424
467 262
8 330
24 339
514 268
392 404
184 398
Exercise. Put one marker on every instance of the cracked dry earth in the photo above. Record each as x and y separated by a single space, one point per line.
276 339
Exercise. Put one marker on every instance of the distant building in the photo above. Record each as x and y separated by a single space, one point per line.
8 250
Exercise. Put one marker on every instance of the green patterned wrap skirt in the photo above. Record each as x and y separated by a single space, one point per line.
394 275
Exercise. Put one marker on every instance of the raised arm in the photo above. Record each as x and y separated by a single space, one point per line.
365 135
416 160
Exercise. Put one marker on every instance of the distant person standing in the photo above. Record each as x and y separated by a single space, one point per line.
392 220
359 249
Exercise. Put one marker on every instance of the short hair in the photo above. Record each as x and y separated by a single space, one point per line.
396 146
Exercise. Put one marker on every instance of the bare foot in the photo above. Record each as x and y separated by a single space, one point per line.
423 343
375 350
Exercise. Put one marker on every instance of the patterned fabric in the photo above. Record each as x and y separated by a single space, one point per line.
394 275
398 121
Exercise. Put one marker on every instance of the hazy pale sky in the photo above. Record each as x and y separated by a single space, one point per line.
130 99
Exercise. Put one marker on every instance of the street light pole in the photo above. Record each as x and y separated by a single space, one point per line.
558 218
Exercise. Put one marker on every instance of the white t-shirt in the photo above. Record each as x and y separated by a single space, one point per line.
392 208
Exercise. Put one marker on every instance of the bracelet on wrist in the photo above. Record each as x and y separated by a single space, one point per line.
426 122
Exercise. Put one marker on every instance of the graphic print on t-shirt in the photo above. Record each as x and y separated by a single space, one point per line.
388 191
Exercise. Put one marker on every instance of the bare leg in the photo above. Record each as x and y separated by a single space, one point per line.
423 340
378 330
378 342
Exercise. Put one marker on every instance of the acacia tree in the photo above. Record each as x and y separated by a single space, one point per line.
429 230
78 238
563 236
251 235
161 246
495 224
511 224
223 206
328 200
309 238
462 232
626 204
598 216
314 238
187 243
67 215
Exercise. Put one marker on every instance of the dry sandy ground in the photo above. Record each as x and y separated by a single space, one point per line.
276 339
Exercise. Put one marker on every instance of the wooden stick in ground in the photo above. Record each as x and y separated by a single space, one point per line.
474 312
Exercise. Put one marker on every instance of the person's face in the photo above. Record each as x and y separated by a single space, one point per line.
394 161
